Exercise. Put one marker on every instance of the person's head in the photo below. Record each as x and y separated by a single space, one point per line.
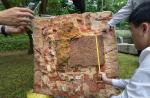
140 25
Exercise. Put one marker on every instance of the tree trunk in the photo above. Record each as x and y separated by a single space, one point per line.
43 7
80 5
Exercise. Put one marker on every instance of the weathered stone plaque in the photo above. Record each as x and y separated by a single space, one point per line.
67 50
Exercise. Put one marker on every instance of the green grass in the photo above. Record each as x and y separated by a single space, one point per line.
16 72
127 65
11 43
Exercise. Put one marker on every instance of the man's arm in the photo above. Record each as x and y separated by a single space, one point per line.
11 29
122 14
121 83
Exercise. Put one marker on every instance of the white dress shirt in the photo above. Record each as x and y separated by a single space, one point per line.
139 85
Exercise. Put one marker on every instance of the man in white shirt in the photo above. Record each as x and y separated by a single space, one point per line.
139 85
123 14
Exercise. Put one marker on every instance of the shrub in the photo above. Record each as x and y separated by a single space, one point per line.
11 43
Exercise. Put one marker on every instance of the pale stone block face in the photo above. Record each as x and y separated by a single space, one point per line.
66 58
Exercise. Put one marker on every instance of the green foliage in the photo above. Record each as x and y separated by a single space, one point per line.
59 7
104 5
12 43
115 5
91 5
54 7
124 25
19 2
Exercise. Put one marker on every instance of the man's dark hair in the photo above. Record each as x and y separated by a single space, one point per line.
140 14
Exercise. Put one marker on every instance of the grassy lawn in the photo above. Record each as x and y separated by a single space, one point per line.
16 72
127 65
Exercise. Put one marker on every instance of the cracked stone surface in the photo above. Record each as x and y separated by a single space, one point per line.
65 53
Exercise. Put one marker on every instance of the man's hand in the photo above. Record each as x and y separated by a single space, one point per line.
105 79
14 30
16 16
108 28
